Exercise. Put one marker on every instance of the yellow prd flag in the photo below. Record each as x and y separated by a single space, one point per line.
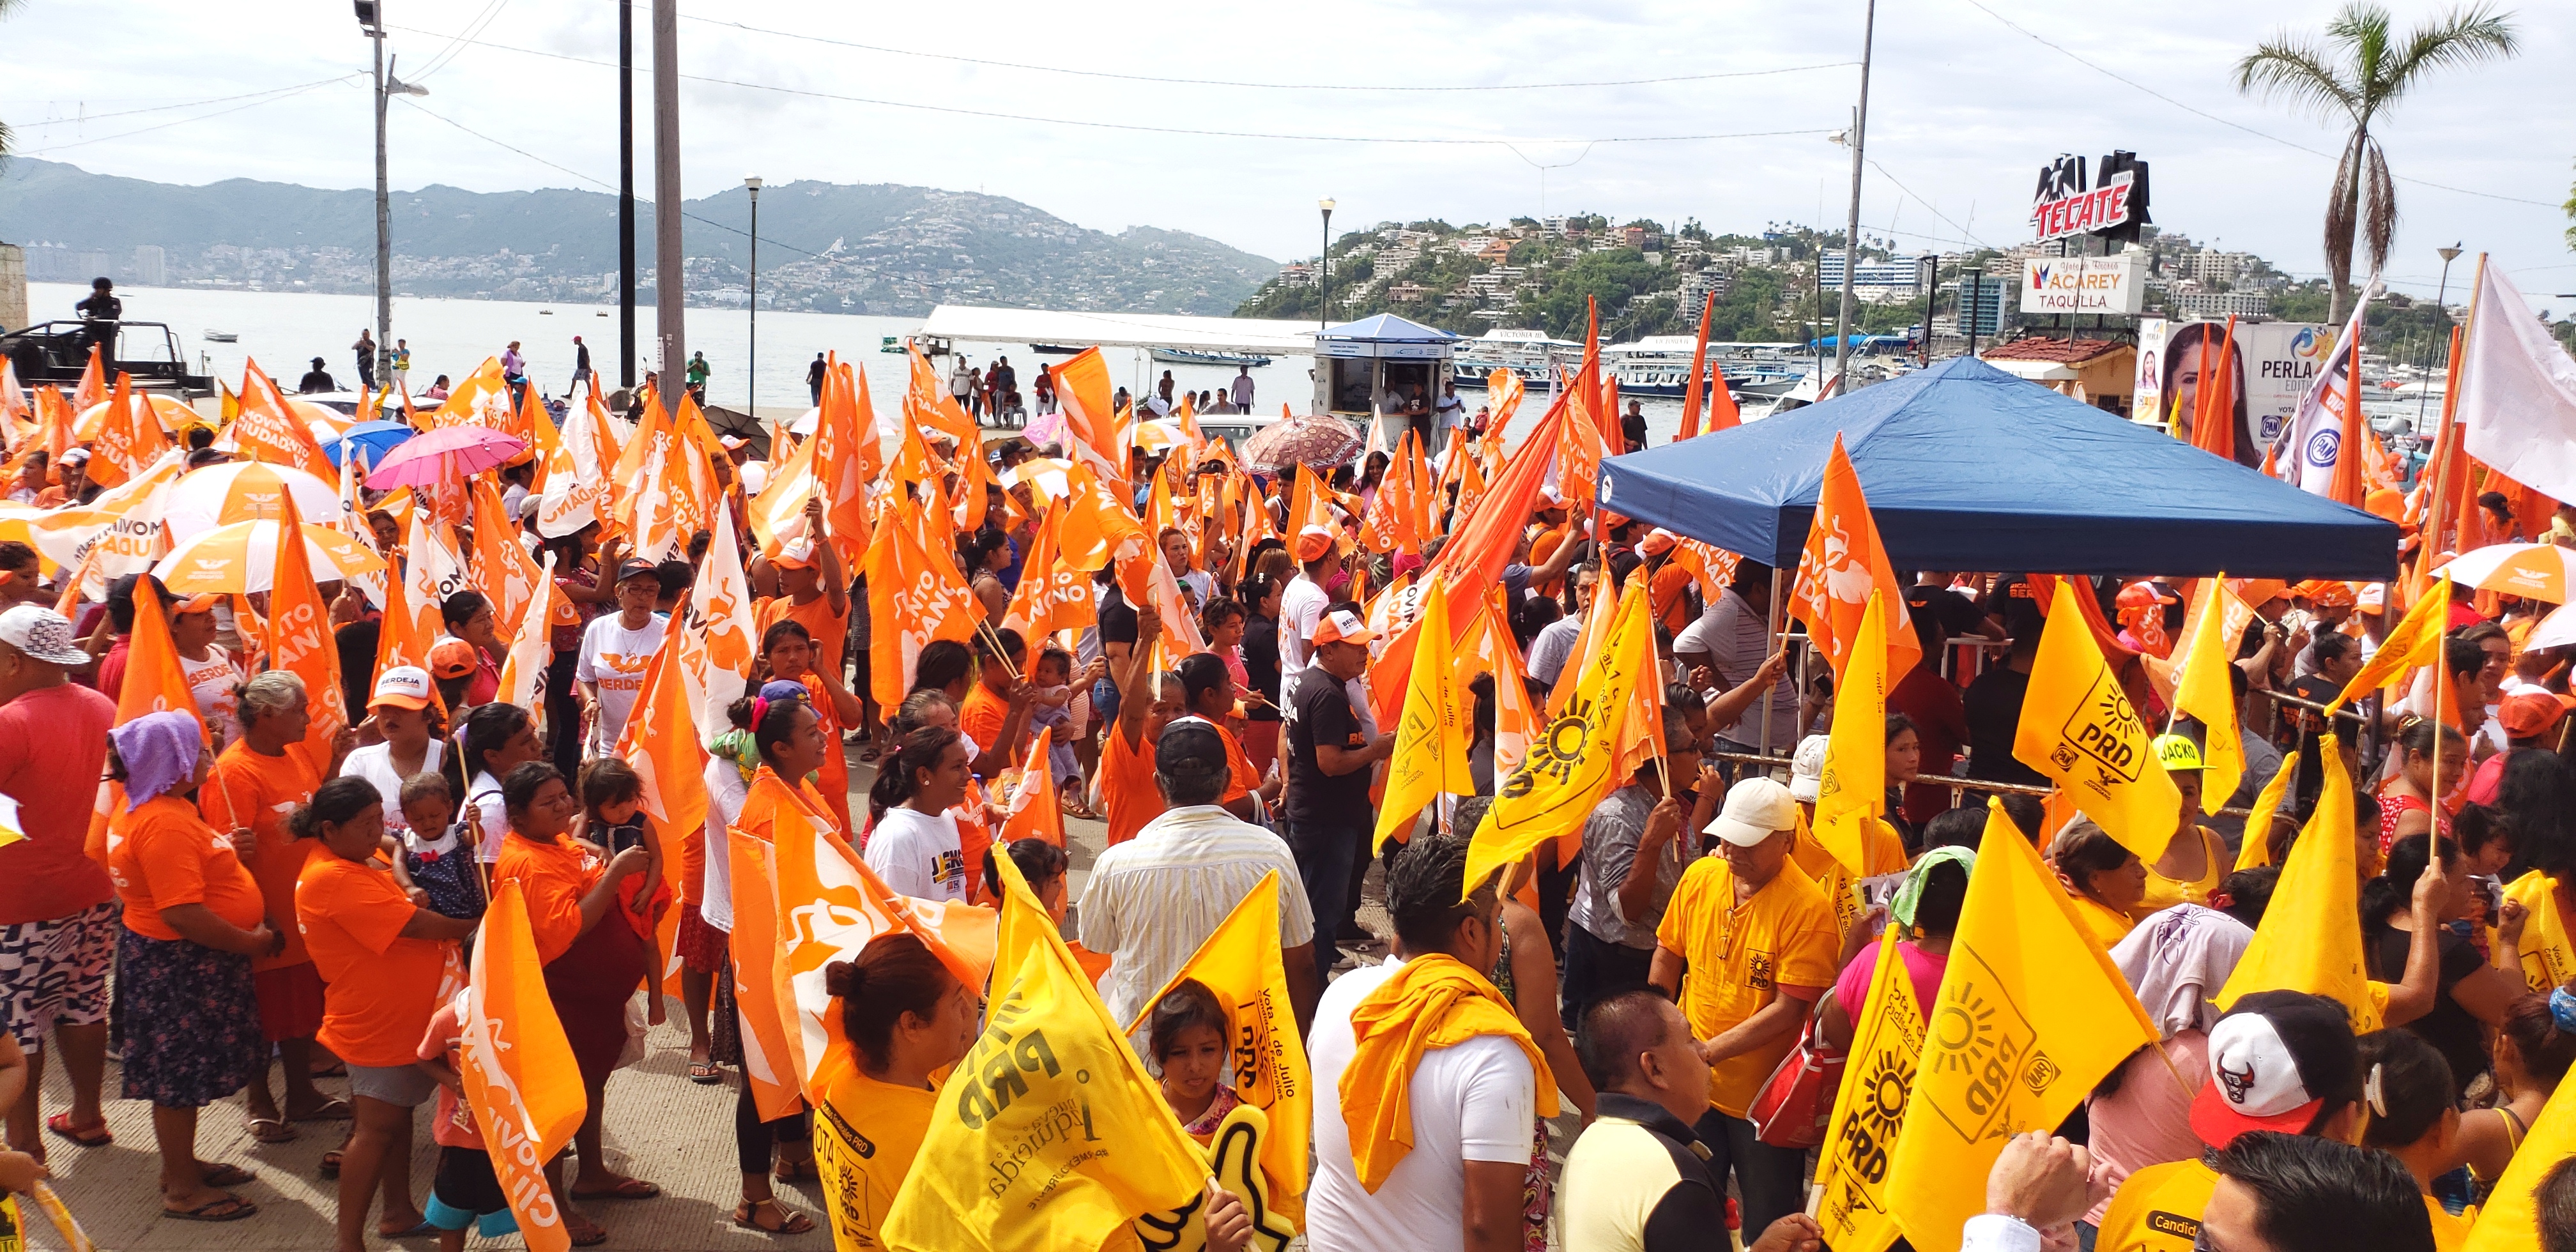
1240 961
2206 694
1574 761
2078 728
1431 736
2031 1015
2547 959
1851 1175
2510 1222
1853 790
2310 939
1048 1133
2416 640
2258 820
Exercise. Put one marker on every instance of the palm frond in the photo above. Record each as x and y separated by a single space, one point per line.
2463 36
2297 72
2379 215
2361 32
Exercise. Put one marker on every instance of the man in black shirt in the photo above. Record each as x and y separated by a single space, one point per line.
1329 755
99 316
1993 703
814 379
316 379
1632 427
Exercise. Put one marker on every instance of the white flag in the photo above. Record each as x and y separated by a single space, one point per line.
2312 444
2518 392
719 637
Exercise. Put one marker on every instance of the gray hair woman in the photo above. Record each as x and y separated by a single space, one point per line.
266 774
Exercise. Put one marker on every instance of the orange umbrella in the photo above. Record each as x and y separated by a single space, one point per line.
2536 571
174 414
243 491
242 558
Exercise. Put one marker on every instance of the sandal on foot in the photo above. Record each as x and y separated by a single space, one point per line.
705 1073
790 1222
329 1169
626 1189
229 1208
97 1136
591 1238
331 1110
221 1174
797 1171
282 1134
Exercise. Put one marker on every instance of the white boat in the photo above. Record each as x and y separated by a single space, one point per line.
221 336
1657 364
1527 353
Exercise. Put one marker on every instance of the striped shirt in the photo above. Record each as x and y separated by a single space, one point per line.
1154 899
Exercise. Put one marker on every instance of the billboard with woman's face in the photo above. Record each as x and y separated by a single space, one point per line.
2269 364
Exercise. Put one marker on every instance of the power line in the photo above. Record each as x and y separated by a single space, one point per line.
482 22
1936 212
2200 112
164 108
1160 80
271 99
1133 126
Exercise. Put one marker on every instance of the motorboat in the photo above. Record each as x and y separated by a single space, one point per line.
1053 349
221 336
1528 353
1184 356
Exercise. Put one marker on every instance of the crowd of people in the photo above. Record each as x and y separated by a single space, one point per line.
1576 1050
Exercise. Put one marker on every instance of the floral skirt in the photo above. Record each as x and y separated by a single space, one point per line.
189 1021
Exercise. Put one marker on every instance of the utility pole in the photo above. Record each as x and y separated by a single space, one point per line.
1324 267
371 20
751 362
1851 233
670 278
626 194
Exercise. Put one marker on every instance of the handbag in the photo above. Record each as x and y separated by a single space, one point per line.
1798 1098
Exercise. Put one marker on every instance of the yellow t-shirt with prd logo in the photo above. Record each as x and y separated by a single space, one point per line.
1738 957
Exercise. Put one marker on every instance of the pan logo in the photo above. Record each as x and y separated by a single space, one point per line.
2324 446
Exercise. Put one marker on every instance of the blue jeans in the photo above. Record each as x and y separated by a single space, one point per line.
1327 855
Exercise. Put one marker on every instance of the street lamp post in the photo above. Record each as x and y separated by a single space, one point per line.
2449 255
751 368
371 20
1324 267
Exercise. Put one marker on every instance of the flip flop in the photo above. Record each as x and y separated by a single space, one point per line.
597 1236
705 1073
98 1137
331 1110
205 1212
629 1189
222 1174
420 1231
329 1169
283 1134
790 1222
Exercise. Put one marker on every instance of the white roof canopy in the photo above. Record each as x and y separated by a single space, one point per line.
1072 329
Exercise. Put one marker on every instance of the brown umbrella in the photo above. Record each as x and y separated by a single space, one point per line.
1308 439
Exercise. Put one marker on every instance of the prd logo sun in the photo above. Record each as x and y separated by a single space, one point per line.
1981 1036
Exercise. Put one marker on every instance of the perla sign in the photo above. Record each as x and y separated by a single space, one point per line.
2090 284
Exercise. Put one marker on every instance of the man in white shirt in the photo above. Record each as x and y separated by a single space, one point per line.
1301 603
616 648
1731 639
1555 641
1152 900
1458 1186
1242 390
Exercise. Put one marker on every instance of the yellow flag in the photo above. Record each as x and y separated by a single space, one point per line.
1431 736
1574 761
2205 693
2031 1015
2310 939
1240 961
1887 1041
2510 1222
2416 640
2258 820
1048 1134
2078 728
1853 789
2546 957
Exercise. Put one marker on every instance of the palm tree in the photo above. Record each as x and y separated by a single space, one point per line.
2358 72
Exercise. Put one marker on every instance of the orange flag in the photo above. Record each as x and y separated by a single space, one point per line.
2347 485
502 571
2213 423
768 1064
1032 810
660 740
128 441
519 1075
482 399
846 460
1098 528
1843 563
300 639
914 597
154 683
1082 390
1389 524
577 490
1578 459
1481 542
92 387
267 429
1052 595
1698 367
670 487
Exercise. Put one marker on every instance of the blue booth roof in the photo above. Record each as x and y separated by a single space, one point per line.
1969 468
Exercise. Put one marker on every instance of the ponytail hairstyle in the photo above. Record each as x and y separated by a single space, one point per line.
2406 1085
1037 860
899 777
1188 1004
338 800
2545 1048
2246 894
2394 889
894 977
2417 739
773 722
482 732
941 663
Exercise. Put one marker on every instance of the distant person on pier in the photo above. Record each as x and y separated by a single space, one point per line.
580 365
99 316
1632 426
366 350
961 382
1445 413
1242 389
1043 390
402 366
697 376
814 380
514 372
316 379
437 389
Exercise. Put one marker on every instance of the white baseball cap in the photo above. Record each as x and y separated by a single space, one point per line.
2269 1058
403 687
43 634
1807 769
1756 809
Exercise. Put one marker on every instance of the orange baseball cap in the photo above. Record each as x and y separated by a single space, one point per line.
452 658
1658 542
2140 595
2326 592
202 602
1343 627
2527 713
1313 542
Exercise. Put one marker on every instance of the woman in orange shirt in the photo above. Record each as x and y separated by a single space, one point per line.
594 955
789 649
189 1030
265 775
384 958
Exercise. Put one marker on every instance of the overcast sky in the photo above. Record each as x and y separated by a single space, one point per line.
1963 111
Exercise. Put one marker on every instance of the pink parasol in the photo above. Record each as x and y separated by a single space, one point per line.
449 454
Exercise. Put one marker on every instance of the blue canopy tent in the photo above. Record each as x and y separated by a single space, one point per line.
1969 468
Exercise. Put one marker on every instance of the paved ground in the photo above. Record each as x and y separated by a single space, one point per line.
660 1127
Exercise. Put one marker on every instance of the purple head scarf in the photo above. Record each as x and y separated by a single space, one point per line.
160 752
